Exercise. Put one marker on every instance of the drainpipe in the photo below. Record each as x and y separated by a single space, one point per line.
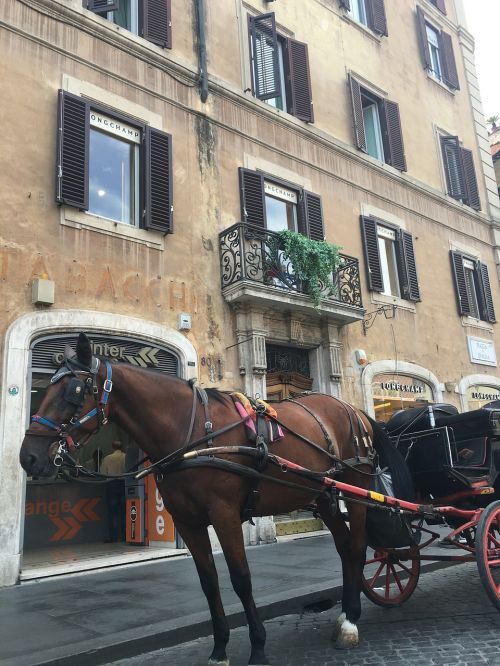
202 48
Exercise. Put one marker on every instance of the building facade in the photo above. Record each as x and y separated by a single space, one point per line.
156 150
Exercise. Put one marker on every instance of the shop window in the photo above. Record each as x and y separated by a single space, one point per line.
151 19
368 12
473 289
461 181
377 126
280 68
481 395
392 393
113 167
436 48
390 259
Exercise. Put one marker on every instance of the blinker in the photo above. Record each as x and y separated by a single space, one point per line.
75 392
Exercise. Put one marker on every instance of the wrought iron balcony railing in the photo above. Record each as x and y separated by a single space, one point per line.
254 254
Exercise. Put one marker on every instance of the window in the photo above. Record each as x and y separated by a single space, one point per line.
392 393
440 4
271 204
150 19
280 68
112 166
390 259
437 51
461 181
377 126
368 12
472 284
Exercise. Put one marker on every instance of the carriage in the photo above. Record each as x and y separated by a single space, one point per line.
454 460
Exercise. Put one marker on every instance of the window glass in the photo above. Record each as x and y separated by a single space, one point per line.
470 285
373 133
126 15
281 207
388 261
391 393
280 102
480 395
358 11
433 41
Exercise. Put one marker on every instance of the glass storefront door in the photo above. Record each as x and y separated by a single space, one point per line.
392 393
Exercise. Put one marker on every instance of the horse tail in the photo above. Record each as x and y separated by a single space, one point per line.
390 457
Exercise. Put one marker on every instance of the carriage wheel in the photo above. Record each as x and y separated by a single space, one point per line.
488 551
389 581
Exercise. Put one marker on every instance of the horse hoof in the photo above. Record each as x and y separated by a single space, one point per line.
347 636
338 626
212 662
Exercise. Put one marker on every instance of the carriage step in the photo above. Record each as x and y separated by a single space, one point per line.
299 526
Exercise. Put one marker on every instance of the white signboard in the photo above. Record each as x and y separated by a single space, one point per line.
481 351
116 127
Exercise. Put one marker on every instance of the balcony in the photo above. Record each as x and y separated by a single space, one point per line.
253 269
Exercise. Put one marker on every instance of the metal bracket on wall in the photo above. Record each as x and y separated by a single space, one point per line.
389 312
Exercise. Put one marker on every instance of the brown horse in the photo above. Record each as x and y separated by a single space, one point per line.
167 417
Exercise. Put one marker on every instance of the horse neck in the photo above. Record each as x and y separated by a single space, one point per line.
153 409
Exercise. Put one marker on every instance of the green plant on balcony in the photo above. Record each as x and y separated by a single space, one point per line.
314 263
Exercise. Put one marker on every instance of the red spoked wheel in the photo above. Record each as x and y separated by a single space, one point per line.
390 577
488 551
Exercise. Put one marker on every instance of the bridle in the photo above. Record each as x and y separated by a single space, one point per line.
74 394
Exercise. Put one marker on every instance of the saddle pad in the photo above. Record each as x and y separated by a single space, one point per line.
246 410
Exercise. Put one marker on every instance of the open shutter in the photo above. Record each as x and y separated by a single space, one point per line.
72 177
372 256
357 114
394 135
346 4
103 6
300 81
313 216
441 6
450 75
266 68
453 166
485 297
463 303
378 20
156 23
253 205
470 179
407 267
422 39
158 206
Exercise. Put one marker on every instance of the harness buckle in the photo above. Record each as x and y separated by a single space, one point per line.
209 426
107 386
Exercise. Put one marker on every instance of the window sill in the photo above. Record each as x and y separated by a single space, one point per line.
438 82
472 322
365 30
401 303
77 219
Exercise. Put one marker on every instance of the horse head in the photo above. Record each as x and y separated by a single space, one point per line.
73 391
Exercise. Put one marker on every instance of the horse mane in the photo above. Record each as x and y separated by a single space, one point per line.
219 396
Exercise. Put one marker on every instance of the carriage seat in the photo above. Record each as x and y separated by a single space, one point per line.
413 420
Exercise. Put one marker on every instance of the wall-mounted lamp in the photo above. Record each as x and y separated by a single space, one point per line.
451 387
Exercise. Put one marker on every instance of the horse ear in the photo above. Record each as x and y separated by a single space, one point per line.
83 350
68 352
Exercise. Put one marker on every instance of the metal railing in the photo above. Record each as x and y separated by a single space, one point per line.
254 254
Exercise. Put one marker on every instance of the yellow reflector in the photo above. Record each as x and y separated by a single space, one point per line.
376 496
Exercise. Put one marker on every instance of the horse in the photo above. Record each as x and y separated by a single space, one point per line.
199 446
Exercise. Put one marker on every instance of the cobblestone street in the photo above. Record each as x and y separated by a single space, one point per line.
448 621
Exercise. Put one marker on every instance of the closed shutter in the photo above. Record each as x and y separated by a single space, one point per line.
266 68
441 6
156 23
313 216
450 75
72 177
485 297
253 205
103 6
158 202
473 199
357 114
453 166
422 39
395 136
378 20
372 256
346 4
457 262
407 267
300 81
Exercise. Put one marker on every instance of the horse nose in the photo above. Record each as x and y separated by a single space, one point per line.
28 461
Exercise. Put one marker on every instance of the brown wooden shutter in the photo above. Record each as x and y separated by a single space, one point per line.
346 4
372 256
157 170
441 6
471 188
156 22
453 166
449 66
300 81
394 135
407 267
266 68
72 177
378 20
485 297
357 114
457 262
422 39
253 205
103 6
313 216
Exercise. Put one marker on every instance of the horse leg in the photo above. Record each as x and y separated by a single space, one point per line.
198 543
351 546
229 532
